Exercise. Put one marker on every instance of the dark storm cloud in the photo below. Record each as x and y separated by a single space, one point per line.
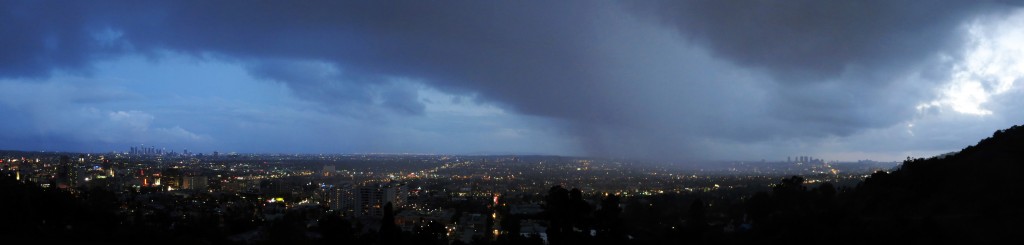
351 94
835 62
811 41
40 36
637 79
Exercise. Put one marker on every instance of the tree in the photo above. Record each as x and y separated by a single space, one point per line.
696 222
388 229
556 210
609 224
759 207
336 230
579 210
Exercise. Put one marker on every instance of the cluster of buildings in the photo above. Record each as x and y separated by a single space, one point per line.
368 200
459 193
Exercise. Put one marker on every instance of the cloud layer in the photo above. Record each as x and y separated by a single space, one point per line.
660 80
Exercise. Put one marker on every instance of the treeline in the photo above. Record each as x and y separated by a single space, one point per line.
47 214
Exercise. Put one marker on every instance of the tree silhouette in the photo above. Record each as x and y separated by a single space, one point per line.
609 224
389 232
579 209
556 209
567 211
336 230
510 224
696 222
759 207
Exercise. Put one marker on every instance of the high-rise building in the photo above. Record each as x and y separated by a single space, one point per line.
341 198
199 183
370 200
397 195
67 176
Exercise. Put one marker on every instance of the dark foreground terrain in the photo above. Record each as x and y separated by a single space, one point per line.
972 196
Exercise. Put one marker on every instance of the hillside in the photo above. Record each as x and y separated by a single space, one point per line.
972 195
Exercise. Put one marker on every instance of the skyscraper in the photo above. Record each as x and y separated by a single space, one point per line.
341 198
371 199
66 174
199 183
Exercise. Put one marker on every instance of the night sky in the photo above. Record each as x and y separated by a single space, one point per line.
672 81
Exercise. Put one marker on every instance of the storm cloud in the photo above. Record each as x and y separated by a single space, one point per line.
661 80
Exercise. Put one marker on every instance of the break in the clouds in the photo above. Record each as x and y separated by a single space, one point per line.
660 80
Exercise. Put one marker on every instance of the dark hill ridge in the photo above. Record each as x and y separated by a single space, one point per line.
972 195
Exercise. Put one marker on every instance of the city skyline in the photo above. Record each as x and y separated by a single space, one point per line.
143 151
440 199
529 122
662 80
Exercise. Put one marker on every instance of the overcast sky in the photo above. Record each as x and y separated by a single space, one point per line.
674 81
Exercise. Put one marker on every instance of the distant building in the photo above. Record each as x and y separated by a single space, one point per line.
526 209
67 176
274 187
341 198
199 183
329 170
469 226
242 186
371 199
